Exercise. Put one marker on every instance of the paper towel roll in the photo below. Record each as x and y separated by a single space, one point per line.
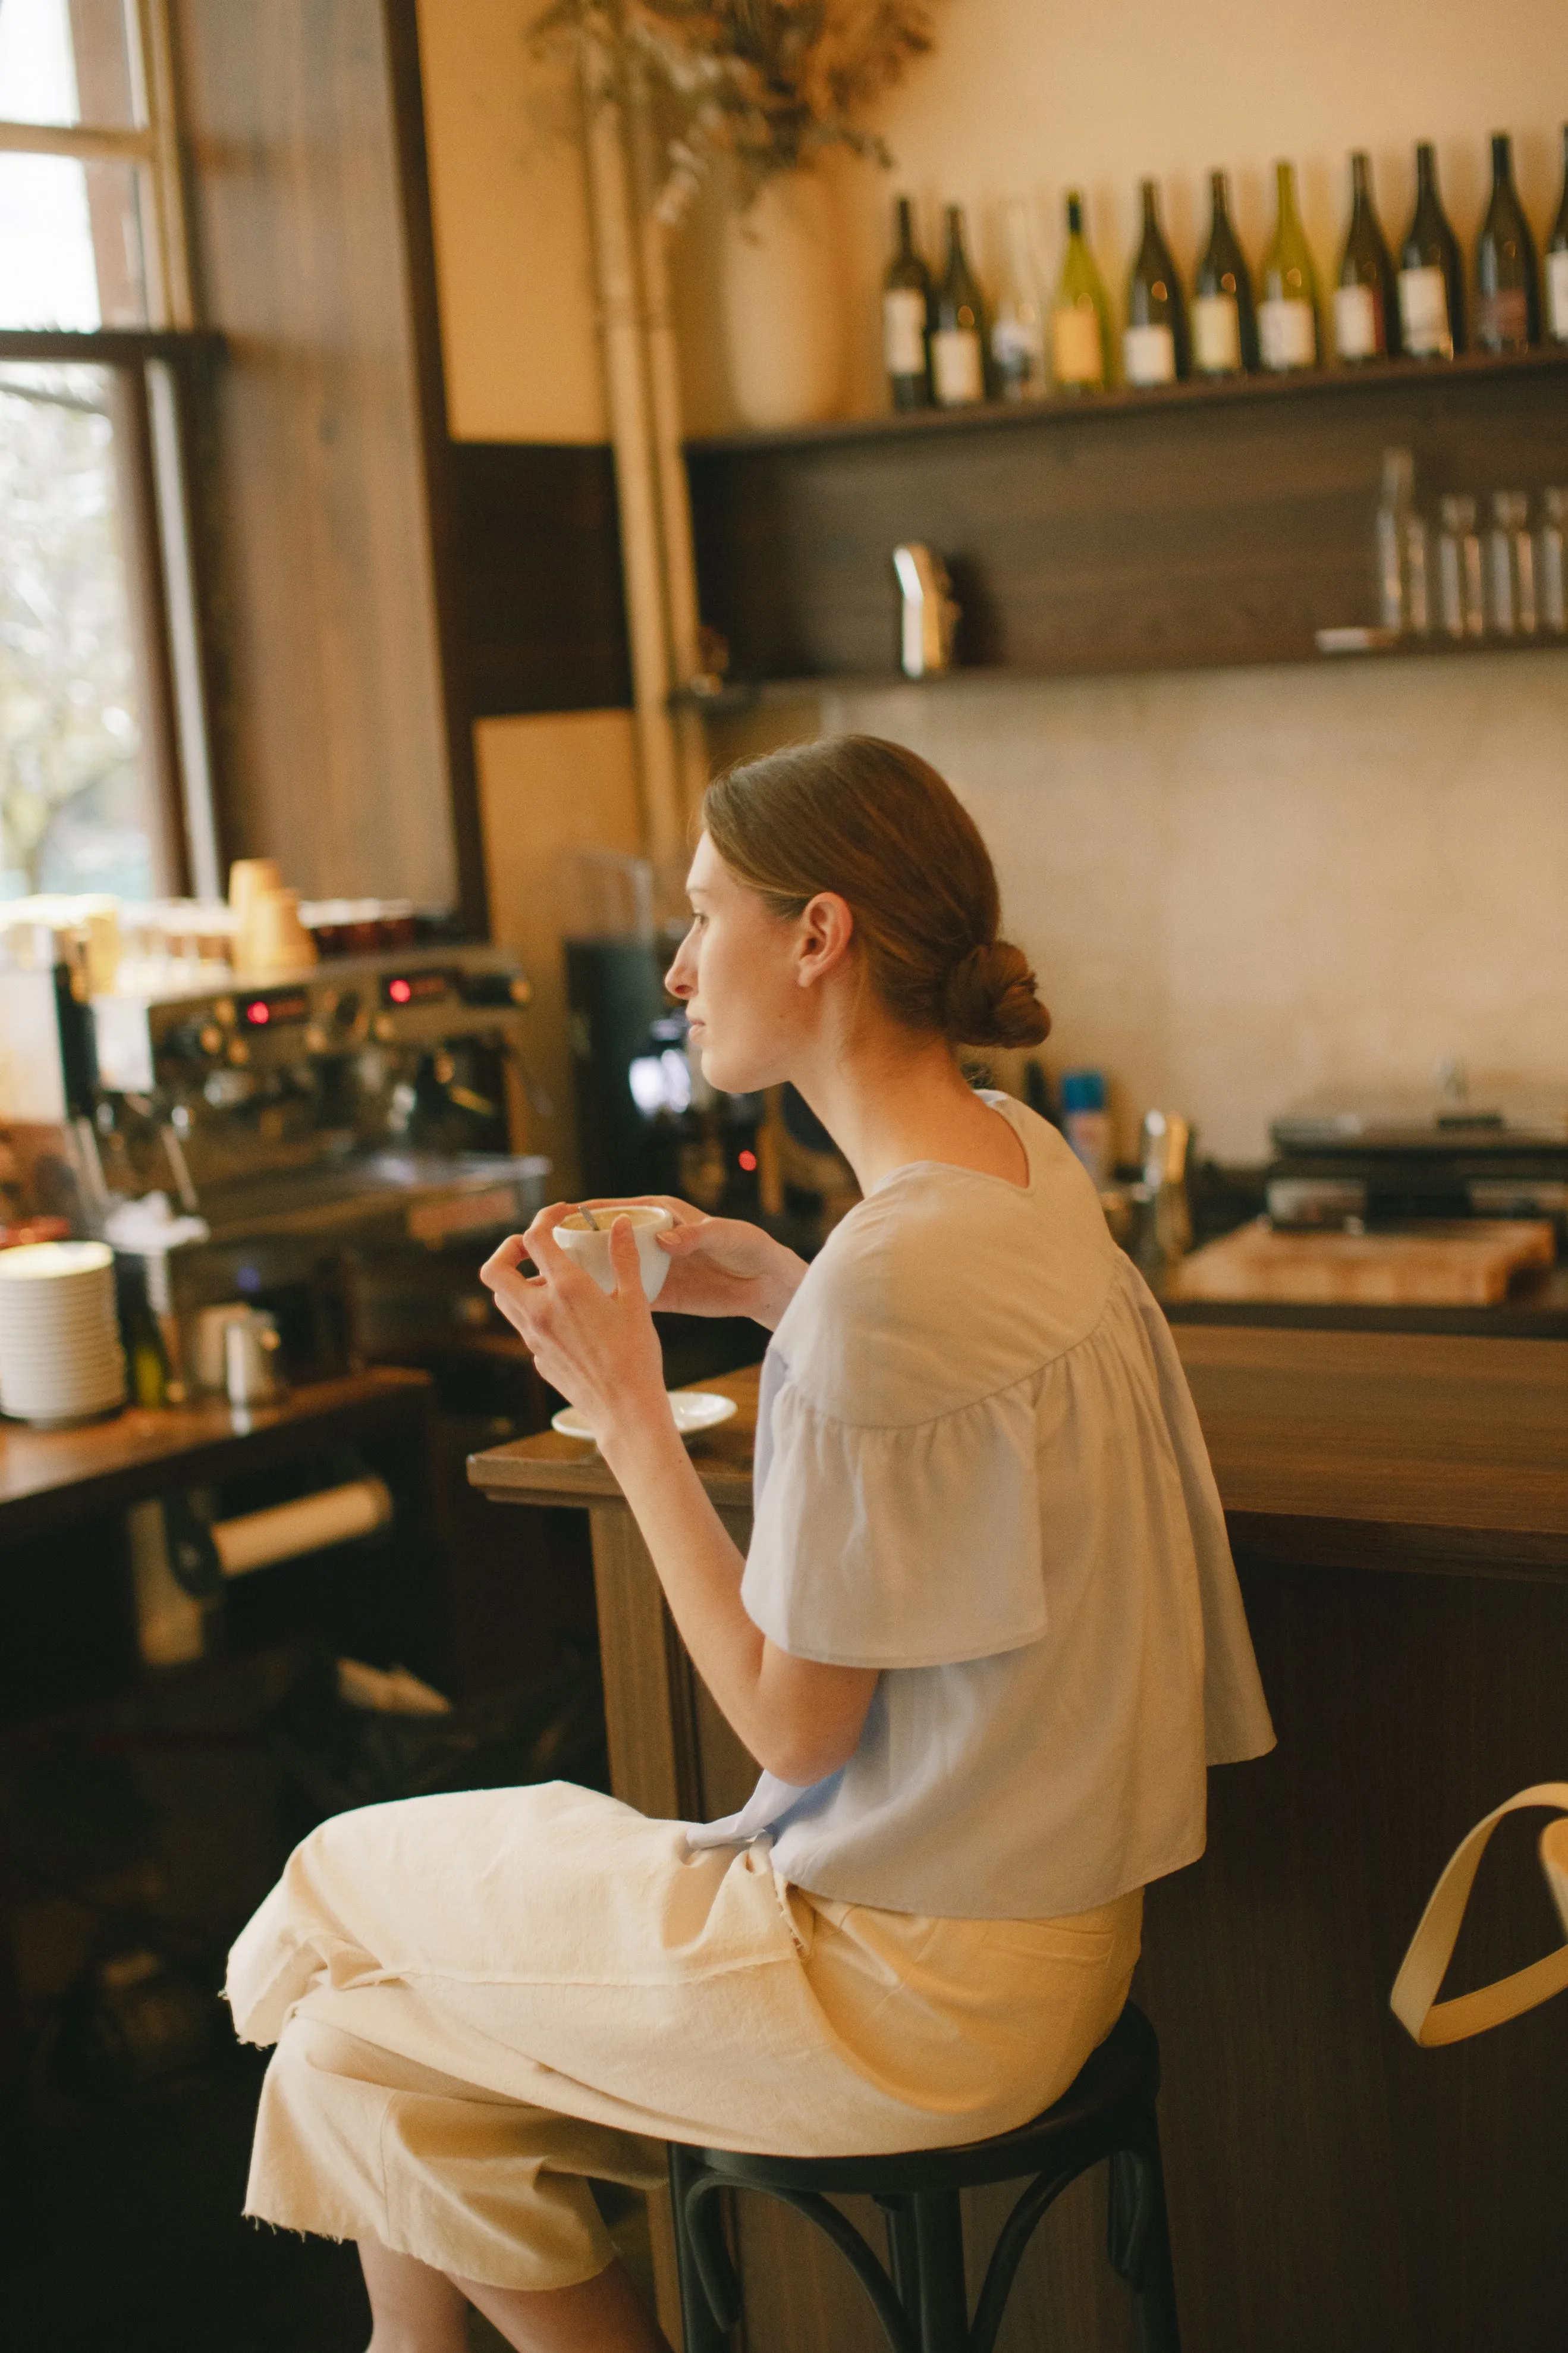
256 1539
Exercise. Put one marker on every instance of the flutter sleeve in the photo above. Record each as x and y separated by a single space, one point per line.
905 1544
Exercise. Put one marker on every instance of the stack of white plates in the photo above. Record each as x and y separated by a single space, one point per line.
60 1357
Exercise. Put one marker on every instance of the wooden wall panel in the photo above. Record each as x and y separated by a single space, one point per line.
1198 527
537 552
331 730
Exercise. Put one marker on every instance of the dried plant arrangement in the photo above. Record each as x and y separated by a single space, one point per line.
769 83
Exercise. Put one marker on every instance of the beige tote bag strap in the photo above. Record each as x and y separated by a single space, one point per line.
1414 1997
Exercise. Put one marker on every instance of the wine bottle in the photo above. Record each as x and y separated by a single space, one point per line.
1508 307
1288 287
1080 322
1154 340
1556 262
958 339
906 316
1019 328
1366 305
1431 275
1225 325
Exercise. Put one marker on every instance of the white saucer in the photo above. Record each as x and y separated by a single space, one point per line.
695 1410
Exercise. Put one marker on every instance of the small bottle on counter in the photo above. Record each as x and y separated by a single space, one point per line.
1460 603
1086 1123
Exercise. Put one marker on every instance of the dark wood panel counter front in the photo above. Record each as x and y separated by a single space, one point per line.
1399 1510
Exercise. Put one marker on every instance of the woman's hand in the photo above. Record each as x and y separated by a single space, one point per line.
598 1349
719 1266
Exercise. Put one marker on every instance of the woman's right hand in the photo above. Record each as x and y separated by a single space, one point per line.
719 1266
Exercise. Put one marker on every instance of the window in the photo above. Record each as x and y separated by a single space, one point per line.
103 764
91 228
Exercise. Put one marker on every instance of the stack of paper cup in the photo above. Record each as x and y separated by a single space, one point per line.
60 1357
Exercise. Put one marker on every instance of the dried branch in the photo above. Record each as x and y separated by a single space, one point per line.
770 83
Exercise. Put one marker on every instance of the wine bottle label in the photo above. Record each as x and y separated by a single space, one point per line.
1502 321
1149 355
957 366
1075 345
1287 334
1216 334
1557 297
1356 323
1423 312
904 331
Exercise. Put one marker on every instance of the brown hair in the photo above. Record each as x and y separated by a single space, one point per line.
875 823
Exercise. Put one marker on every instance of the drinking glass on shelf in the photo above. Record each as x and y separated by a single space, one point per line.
1511 565
1417 576
1549 581
1461 604
1392 537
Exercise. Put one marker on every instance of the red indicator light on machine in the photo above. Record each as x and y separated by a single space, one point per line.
747 1161
259 1014
431 986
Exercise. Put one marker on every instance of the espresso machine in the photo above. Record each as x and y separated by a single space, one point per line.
331 1146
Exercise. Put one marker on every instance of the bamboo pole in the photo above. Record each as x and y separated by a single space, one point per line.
623 333
674 494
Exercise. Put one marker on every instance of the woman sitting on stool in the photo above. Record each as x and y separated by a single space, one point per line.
986 1634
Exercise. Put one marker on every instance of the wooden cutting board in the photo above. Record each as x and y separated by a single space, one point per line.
1469 1263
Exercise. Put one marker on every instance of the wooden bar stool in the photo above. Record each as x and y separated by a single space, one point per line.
919 2296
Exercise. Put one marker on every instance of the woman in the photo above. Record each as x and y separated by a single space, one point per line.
986 1632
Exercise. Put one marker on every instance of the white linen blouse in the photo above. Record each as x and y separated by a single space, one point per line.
979 1468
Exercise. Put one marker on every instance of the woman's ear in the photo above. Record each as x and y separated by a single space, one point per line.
825 938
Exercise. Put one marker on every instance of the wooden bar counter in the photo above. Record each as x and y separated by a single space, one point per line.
1399 1510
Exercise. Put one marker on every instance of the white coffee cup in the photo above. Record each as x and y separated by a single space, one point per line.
590 1249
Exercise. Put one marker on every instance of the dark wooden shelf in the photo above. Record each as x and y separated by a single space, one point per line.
1222 392
740 695
1199 525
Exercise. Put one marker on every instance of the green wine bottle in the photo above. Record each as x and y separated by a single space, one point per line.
1224 325
1080 323
1556 262
1154 340
1287 288
1508 307
1366 305
1431 275
906 317
958 339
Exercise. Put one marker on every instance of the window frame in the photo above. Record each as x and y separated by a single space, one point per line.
162 409
162 377
152 149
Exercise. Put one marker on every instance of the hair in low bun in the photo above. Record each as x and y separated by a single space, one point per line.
990 998
875 823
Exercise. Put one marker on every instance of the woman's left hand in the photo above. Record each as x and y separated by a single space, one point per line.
598 1348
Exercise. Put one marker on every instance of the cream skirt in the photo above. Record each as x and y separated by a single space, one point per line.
480 2002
